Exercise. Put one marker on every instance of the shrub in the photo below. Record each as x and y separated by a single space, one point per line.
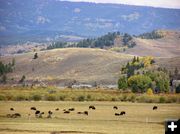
162 99
149 91
114 99
171 99
124 97
36 97
2 98
81 98
51 97
132 98
178 89
62 97
20 98
89 97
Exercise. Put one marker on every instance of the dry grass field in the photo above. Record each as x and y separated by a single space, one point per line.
60 65
139 118
168 46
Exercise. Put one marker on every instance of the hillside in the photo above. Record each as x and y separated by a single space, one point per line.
60 66
168 46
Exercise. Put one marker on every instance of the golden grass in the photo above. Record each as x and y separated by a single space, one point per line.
101 121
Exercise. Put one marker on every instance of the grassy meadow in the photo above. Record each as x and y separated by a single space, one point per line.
139 118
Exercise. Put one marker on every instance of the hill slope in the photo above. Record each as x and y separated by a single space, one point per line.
59 66
168 46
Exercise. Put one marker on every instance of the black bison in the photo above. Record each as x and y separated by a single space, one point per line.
16 115
33 108
116 114
57 109
92 107
122 113
86 112
66 112
115 107
155 108
49 114
71 109
37 112
79 112
12 109
40 115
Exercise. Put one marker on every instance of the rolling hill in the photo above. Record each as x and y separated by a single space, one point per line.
167 46
60 66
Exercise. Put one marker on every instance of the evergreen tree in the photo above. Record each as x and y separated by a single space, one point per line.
4 79
22 79
35 56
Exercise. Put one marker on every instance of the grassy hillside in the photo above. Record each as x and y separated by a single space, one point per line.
61 65
167 46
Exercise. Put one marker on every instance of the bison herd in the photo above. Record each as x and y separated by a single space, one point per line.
39 114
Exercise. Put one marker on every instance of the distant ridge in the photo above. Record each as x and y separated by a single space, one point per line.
20 18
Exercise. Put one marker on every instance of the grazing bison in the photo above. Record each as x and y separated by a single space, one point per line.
33 108
40 115
71 109
79 112
12 109
57 109
92 107
115 107
155 108
8 115
122 113
116 114
37 112
86 112
66 112
16 115
49 114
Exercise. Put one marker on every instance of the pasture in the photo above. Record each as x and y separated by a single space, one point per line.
139 118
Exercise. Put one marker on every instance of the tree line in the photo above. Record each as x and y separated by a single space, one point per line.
151 35
100 42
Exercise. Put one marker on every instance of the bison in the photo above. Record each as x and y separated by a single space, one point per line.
155 108
86 112
116 114
33 108
122 113
115 107
92 107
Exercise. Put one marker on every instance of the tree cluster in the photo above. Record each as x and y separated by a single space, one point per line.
6 68
140 81
151 35
57 45
100 42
